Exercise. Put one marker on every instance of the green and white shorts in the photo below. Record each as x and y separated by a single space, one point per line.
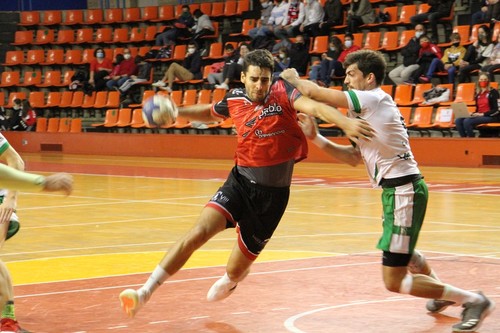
404 211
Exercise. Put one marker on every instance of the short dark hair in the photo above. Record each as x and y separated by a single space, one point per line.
368 61
260 58
97 50
197 13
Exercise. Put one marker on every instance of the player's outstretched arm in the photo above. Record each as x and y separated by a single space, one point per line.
344 153
198 112
18 180
354 129
335 98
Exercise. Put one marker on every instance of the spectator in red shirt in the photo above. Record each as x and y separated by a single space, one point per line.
428 51
486 108
29 115
100 67
349 47
127 68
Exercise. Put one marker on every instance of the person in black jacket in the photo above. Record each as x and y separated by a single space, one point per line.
403 72
181 28
299 55
189 70
334 15
438 9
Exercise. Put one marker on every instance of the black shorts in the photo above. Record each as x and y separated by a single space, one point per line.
253 209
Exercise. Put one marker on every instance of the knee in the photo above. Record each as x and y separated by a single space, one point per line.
399 285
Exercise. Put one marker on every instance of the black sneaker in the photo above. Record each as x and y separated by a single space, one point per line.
437 305
474 314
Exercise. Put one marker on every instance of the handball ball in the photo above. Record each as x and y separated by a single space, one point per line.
159 110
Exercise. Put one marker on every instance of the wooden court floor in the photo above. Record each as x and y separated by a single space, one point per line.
319 273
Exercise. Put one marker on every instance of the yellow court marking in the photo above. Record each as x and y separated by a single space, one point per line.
103 265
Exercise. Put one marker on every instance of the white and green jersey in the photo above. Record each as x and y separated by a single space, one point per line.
388 154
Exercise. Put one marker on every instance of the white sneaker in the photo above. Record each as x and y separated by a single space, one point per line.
222 86
167 88
221 289
132 301
159 83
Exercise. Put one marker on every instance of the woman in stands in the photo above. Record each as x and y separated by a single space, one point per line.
486 108
477 54
100 67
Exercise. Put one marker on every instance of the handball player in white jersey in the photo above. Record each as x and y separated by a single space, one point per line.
390 164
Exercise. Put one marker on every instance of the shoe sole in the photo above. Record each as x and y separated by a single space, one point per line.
129 301
441 309
485 314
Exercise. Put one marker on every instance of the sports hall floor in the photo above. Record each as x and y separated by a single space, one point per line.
319 273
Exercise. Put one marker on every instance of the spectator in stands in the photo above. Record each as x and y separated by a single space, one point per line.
16 121
100 68
265 16
450 61
4 120
182 28
313 16
232 69
329 65
360 12
486 108
189 70
349 47
275 21
438 9
202 27
216 75
125 70
477 55
427 53
29 115
334 15
143 74
281 61
294 17
489 12
494 62
403 72
299 55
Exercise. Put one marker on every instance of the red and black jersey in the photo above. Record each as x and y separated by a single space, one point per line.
268 132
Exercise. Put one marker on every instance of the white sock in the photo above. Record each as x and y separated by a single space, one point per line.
226 280
460 296
155 280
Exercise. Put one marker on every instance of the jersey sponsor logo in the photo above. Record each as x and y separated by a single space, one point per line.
405 156
260 134
220 197
271 110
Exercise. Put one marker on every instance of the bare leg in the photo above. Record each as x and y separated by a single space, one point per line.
237 269
209 224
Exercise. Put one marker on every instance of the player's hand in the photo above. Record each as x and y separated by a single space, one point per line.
6 211
359 129
290 74
308 125
59 182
